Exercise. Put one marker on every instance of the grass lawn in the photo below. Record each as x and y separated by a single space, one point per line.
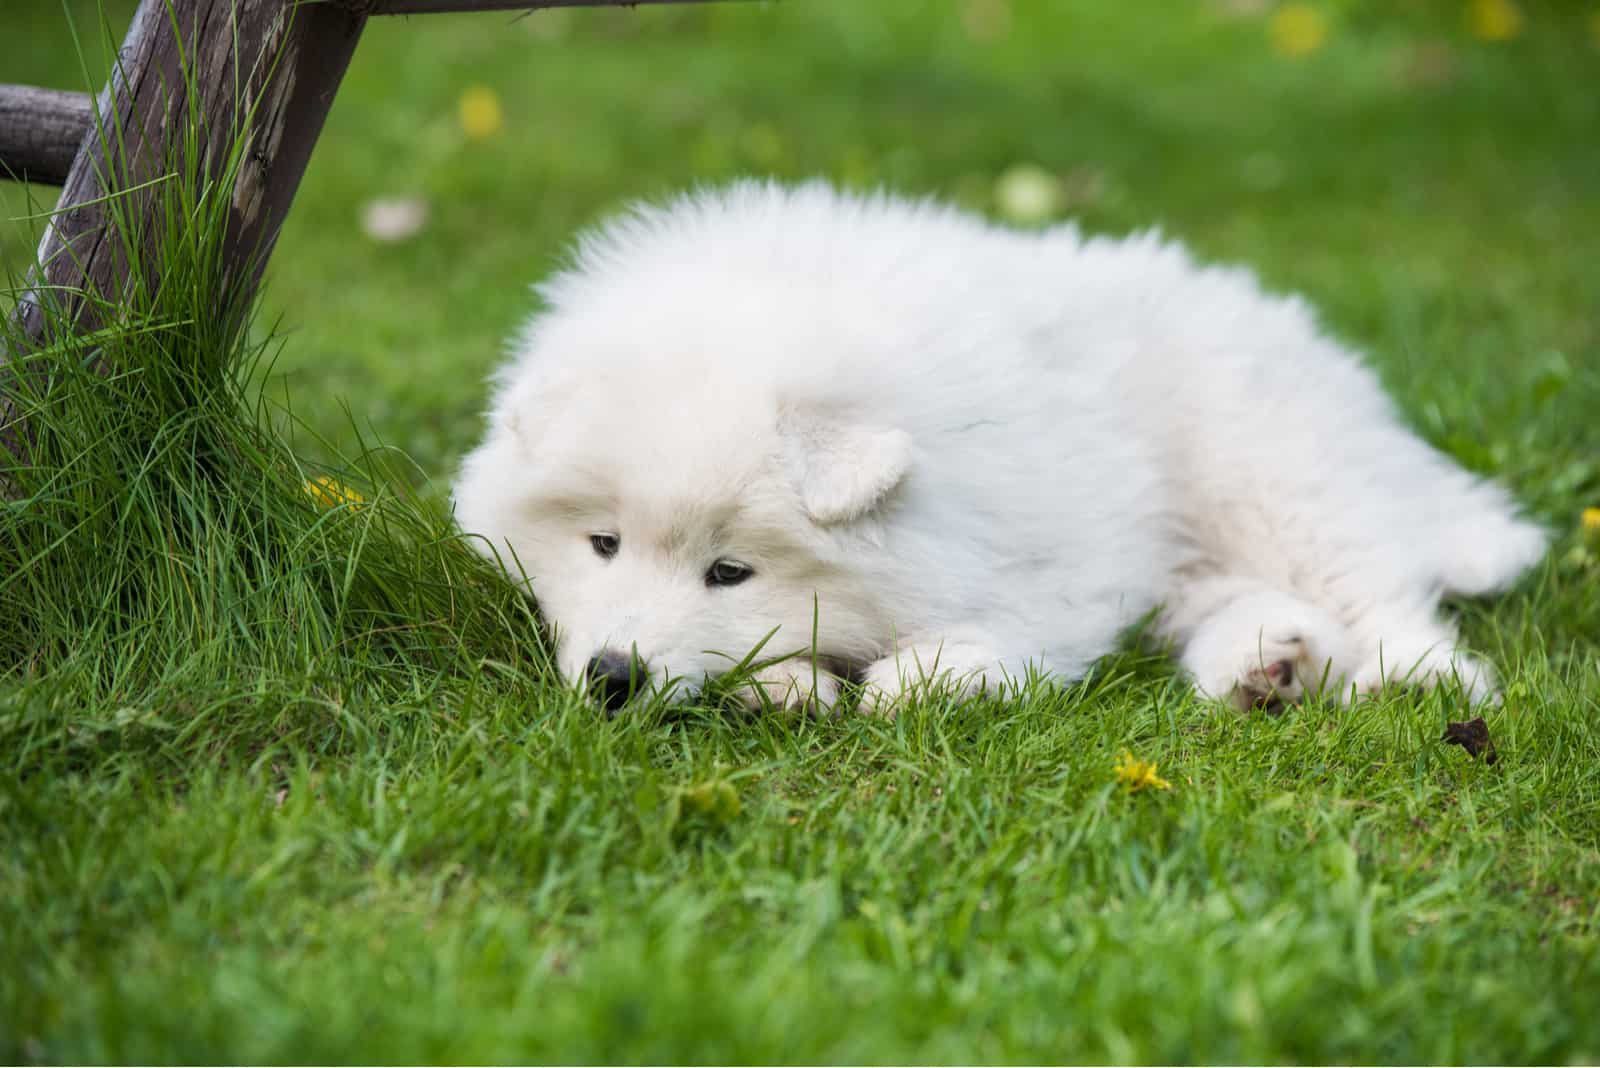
289 783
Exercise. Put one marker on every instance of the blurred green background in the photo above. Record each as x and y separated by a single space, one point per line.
1428 172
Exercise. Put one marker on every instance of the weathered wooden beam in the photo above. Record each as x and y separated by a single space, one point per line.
40 131
196 65
186 66
435 7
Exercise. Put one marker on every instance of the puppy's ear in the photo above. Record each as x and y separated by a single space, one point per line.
528 406
843 471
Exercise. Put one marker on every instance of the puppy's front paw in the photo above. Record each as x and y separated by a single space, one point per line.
1270 676
883 689
792 685
889 684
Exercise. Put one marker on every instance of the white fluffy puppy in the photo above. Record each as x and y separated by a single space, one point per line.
904 444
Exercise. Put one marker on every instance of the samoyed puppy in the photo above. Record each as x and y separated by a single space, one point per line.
882 440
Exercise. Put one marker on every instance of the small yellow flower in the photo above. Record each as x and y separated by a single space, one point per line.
1138 774
1494 20
1594 28
330 492
480 113
1297 30
1591 520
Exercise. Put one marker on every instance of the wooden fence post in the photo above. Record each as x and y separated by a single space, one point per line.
280 60
221 58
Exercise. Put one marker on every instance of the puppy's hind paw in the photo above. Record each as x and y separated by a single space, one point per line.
1435 667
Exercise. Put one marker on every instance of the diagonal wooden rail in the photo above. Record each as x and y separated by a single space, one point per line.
279 60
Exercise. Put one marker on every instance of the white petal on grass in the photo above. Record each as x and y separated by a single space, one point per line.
394 218
1027 193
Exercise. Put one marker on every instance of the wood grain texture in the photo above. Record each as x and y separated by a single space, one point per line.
263 72
192 80
41 131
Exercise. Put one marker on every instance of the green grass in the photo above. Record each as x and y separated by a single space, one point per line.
283 782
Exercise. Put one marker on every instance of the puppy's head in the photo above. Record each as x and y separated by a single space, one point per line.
669 526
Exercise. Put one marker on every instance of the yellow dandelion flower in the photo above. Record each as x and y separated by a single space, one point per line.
1494 20
1591 520
480 113
330 492
1138 774
1297 30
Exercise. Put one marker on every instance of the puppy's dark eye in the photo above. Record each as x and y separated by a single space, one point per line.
728 573
605 545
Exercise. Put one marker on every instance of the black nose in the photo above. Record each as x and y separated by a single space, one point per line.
613 677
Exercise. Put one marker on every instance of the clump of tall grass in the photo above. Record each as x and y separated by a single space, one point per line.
159 536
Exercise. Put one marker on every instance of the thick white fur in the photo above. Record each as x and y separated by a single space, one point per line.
972 453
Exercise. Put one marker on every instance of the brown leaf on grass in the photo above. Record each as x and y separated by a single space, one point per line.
1473 736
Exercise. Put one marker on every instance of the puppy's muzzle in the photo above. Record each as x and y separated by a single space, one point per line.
613 677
